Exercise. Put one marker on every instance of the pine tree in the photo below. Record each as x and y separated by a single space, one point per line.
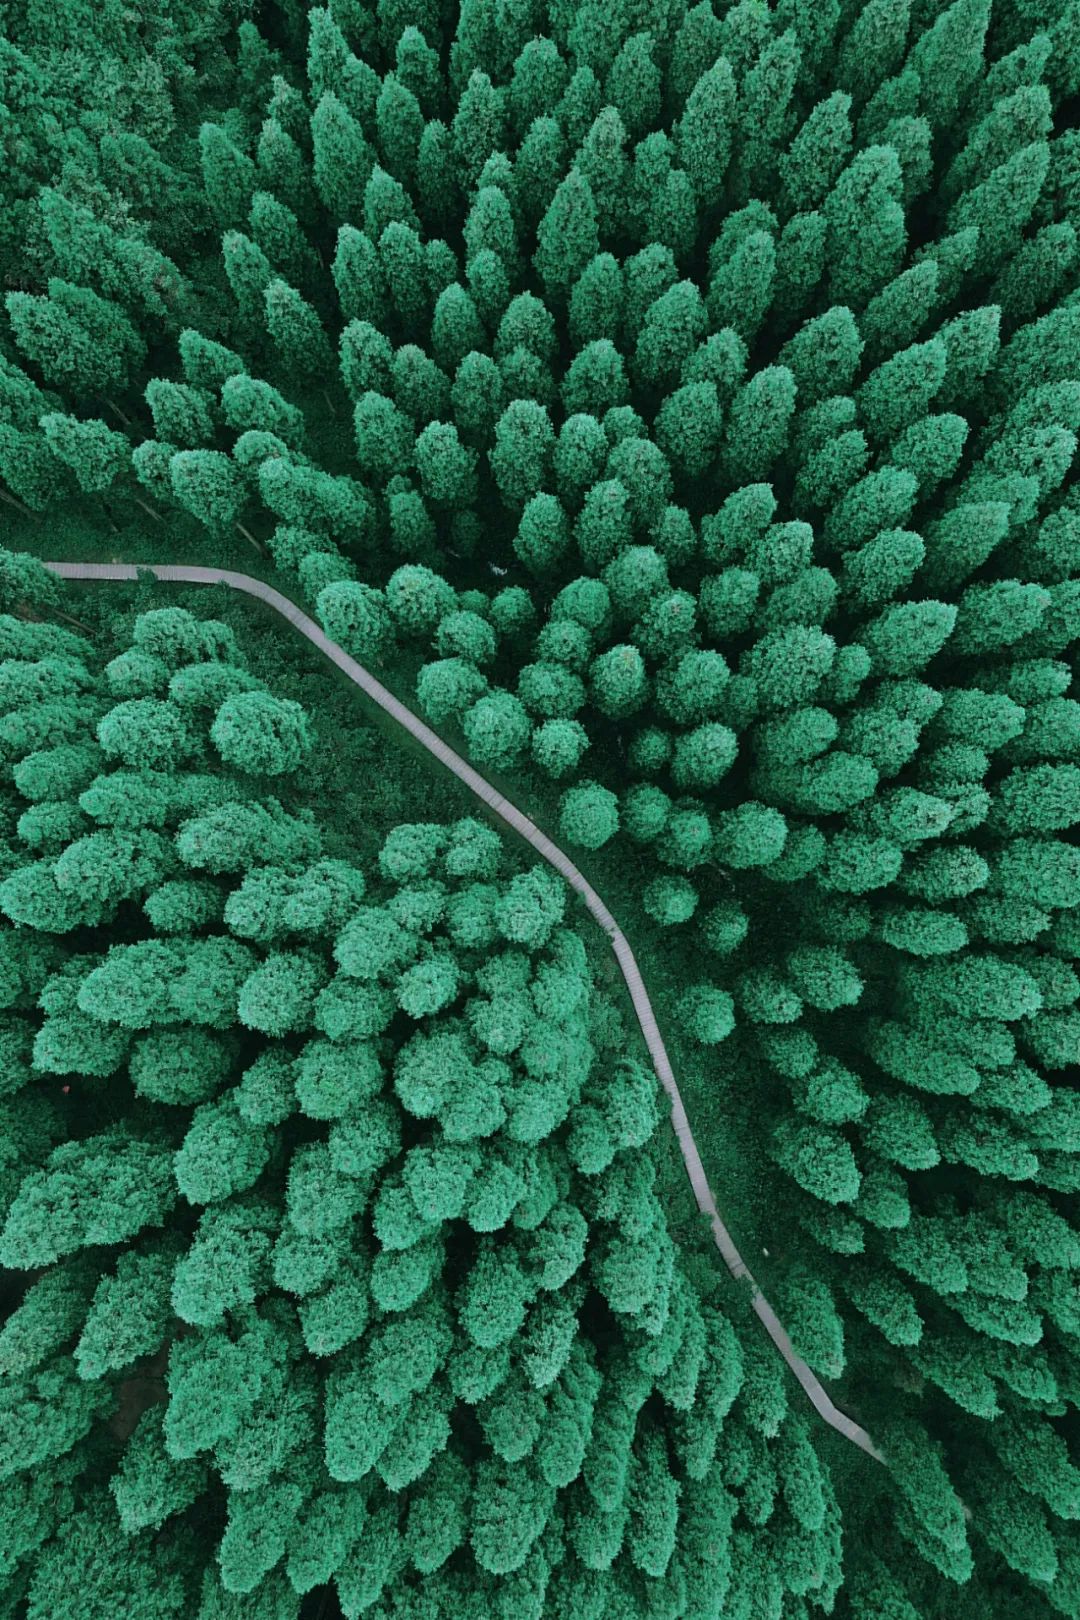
206 364
766 120
823 355
524 441
589 815
228 176
386 202
478 124
456 328
206 484
282 170
818 153
248 404
129 270
601 159
742 289
800 262
539 167
490 229
758 424
897 393
948 57
688 428
249 273
343 158
296 331
400 125
447 468
673 324
1036 274
539 79
94 452
1003 204
79 340
567 235
332 67
632 86
866 224
276 229
29 469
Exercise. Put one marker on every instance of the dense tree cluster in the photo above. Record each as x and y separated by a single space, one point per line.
687 395
328 1202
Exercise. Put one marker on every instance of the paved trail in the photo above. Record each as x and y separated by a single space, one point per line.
551 853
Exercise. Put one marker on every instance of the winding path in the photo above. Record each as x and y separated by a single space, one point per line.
526 829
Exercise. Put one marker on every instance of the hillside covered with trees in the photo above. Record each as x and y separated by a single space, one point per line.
678 405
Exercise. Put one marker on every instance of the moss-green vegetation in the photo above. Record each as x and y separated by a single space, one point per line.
678 403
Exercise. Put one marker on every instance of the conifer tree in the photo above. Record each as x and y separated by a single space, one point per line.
228 176
342 160
79 340
705 130
524 440
278 232
249 273
948 57
95 453
296 331
207 484
567 235
866 224
282 169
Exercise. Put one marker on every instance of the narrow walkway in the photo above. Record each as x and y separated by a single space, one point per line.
520 823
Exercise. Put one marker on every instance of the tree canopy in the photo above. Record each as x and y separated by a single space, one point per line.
681 400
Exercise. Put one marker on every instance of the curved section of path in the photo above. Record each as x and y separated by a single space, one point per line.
526 829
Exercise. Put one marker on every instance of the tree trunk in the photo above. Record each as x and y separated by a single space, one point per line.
250 538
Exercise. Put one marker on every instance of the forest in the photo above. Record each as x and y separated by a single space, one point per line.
676 405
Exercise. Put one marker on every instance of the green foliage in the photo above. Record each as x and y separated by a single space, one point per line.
589 815
79 340
377 1203
685 398
257 733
